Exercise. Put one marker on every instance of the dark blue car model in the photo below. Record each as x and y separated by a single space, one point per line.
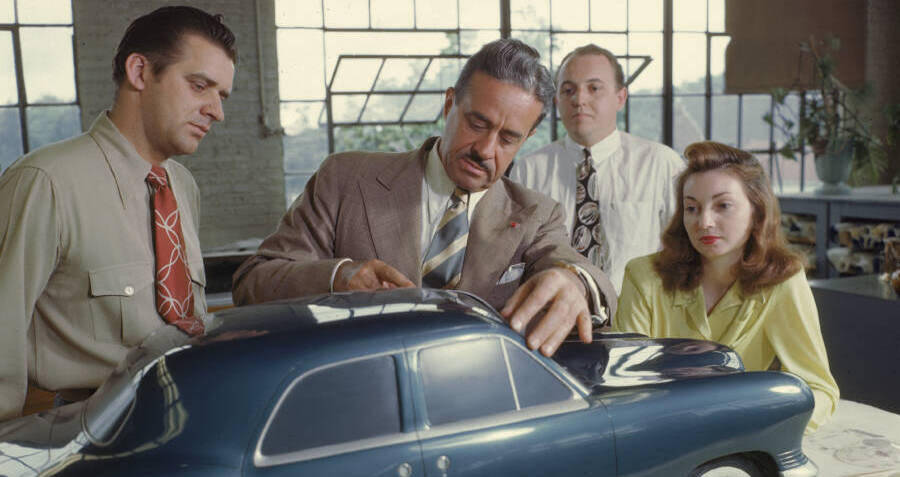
415 383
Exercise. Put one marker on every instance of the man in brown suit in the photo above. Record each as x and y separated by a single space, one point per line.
365 220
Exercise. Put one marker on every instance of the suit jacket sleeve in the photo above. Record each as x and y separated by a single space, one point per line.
551 244
298 259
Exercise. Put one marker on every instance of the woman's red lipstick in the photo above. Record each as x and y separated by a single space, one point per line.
708 239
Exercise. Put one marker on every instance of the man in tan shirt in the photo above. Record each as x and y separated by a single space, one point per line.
77 256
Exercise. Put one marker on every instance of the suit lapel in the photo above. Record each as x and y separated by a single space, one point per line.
497 229
393 203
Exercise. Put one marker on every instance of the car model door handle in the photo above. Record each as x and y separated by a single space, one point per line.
443 464
404 470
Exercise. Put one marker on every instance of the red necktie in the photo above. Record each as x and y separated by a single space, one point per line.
174 297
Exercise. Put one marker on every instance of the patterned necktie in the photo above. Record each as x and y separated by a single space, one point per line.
588 236
174 297
443 262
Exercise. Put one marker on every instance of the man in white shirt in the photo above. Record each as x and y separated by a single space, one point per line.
629 183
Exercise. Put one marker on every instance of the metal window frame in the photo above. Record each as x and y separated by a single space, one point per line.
22 103
506 28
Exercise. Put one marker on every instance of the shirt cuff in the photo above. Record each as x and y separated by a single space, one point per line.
596 302
334 272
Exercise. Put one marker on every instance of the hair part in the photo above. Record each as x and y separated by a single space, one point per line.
158 36
592 49
766 260
511 61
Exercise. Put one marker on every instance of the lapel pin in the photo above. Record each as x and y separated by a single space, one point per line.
513 224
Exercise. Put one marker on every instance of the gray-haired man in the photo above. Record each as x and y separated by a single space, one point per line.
383 220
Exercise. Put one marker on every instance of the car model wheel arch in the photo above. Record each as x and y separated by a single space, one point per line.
738 465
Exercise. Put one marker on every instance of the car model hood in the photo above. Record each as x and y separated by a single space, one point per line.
615 360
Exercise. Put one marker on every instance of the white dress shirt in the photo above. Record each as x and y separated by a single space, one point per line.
437 187
634 189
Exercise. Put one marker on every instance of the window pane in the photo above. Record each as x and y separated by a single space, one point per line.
478 14
645 15
305 136
716 15
384 43
424 107
301 73
717 47
400 74
436 14
7 14
340 404
689 15
8 89
645 117
451 372
754 131
529 13
441 74
725 119
293 186
689 63
354 74
392 13
346 108
57 12
292 13
609 15
566 42
472 40
10 137
535 385
382 138
689 120
48 124
47 60
650 80
385 107
569 14
347 13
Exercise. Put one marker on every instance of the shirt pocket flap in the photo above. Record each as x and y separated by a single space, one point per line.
121 280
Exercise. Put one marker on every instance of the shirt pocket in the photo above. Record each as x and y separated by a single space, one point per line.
118 294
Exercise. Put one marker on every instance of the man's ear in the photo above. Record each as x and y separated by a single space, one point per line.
621 97
137 71
449 97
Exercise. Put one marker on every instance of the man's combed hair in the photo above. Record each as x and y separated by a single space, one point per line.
513 62
157 36
766 261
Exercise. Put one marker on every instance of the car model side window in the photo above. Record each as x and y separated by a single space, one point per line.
465 380
335 405
534 383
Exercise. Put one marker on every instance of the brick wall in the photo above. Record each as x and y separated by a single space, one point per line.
238 165
882 68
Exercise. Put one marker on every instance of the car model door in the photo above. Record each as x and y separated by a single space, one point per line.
487 406
346 419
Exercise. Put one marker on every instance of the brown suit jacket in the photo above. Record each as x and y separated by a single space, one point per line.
364 205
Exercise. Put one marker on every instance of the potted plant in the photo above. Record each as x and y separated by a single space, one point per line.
831 123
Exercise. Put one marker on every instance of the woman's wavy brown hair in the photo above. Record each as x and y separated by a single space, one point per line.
766 261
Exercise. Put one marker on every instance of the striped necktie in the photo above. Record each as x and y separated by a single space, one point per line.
442 266
588 235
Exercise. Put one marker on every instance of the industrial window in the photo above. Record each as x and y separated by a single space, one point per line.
38 97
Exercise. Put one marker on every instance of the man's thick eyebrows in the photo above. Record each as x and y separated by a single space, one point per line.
505 131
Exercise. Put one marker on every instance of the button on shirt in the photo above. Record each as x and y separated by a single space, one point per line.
634 189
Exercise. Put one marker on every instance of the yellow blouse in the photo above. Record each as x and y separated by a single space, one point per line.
780 321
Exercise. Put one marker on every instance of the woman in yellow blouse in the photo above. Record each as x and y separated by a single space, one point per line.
725 274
